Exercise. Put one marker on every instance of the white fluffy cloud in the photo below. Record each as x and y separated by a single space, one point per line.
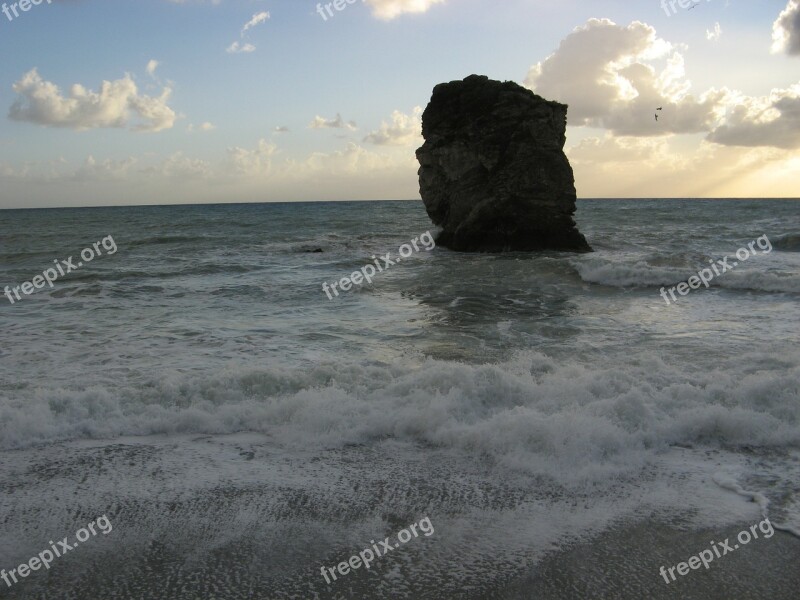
402 130
390 9
353 160
337 123
786 30
104 170
612 150
772 120
116 104
246 47
237 48
255 164
614 77
605 73
257 19
203 127
152 65
252 162
180 167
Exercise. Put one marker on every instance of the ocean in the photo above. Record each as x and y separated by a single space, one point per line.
566 430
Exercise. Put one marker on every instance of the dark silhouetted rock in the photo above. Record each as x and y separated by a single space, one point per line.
493 171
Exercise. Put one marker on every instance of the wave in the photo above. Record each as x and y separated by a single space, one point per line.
761 281
787 243
643 274
570 421
169 239
631 274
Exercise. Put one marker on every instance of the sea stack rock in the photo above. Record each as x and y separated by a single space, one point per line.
493 173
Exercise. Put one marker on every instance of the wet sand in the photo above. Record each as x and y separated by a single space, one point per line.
624 565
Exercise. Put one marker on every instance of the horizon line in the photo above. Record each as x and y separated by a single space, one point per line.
592 199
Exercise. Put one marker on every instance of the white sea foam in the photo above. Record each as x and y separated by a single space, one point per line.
572 421
625 272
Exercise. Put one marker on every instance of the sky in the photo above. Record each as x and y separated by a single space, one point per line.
115 102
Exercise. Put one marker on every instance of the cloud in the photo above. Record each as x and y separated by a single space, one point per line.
106 170
242 175
180 167
603 71
713 35
337 123
252 162
353 160
174 167
152 65
243 47
662 167
786 30
257 19
772 120
403 130
41 102
236 48
387 10
614 150
203 127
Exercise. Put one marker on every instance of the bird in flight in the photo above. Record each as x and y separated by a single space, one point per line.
656 117
659 108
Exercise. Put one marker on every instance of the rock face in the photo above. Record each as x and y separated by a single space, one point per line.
493 171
